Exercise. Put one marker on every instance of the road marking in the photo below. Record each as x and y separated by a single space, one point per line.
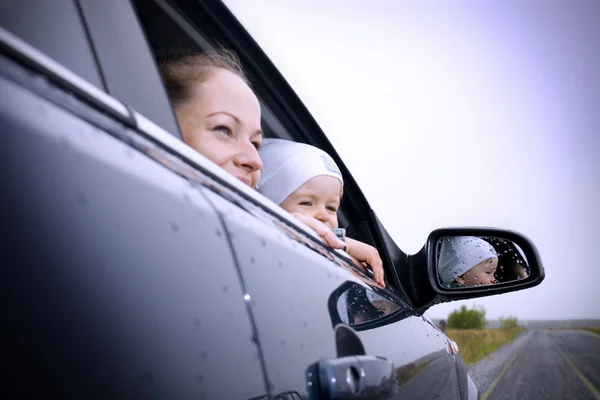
587 383
493 385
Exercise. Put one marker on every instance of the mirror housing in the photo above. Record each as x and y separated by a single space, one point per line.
425 279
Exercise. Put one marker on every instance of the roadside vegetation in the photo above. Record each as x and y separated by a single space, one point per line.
467 328
593 330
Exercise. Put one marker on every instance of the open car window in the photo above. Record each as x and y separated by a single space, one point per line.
189 25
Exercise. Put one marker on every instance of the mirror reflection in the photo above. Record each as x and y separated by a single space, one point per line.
466 261
358 305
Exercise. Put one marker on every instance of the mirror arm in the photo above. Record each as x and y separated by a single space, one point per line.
421 292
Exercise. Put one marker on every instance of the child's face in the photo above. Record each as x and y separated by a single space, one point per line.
319 198
480 275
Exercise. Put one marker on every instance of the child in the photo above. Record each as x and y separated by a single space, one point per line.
467 261
306 182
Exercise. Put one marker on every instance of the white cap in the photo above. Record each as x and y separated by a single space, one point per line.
459 254
288 165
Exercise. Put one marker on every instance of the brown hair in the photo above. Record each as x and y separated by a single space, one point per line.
181 70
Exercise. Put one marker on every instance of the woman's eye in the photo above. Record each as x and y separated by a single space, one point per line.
223 129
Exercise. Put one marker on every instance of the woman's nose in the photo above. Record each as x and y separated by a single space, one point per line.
248 158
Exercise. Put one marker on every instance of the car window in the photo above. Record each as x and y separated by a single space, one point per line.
166 29
56 29
196 26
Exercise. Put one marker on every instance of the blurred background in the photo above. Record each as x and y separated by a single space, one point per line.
460 113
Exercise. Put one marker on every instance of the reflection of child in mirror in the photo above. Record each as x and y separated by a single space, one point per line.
467 261
306 182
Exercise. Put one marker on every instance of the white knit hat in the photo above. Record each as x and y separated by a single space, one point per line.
458 254
288 165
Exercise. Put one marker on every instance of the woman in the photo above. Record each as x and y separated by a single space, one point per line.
219 116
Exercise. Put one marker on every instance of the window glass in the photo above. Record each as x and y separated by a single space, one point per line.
56 29
126 61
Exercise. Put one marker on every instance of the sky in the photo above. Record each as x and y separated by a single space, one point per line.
460 113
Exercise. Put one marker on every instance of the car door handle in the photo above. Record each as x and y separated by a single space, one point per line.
354 377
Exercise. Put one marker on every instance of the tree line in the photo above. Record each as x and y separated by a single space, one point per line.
474 318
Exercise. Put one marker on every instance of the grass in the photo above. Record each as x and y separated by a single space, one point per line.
474 344
593 330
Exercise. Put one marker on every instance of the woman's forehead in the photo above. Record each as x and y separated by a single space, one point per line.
227 92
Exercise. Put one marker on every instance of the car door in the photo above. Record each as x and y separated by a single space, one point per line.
118 280
299 293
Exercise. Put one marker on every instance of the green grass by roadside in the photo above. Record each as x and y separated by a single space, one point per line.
475 344
593 330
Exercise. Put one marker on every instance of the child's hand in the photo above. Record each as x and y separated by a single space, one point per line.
326 234
361 252
366 254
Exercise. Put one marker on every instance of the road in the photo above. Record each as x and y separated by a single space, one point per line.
542 364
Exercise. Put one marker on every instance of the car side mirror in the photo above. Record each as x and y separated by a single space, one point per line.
464 263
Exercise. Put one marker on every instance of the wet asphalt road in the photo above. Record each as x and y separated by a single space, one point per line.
542 364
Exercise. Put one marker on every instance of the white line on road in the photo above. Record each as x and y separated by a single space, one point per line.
587 383
493 385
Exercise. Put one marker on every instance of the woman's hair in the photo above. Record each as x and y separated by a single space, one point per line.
182 70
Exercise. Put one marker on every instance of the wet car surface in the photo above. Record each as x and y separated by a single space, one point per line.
135 268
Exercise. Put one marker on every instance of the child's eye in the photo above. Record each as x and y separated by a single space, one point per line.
332 209
223 129
256 145
306 203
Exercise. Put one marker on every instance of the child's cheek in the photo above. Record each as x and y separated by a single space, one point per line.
299 210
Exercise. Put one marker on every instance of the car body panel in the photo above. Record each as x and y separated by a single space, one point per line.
289 281
110 267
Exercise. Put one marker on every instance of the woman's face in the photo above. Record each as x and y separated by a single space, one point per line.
222 122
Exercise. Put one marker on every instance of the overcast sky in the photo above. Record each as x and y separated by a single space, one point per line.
460 113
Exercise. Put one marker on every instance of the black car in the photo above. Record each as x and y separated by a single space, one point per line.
132 267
